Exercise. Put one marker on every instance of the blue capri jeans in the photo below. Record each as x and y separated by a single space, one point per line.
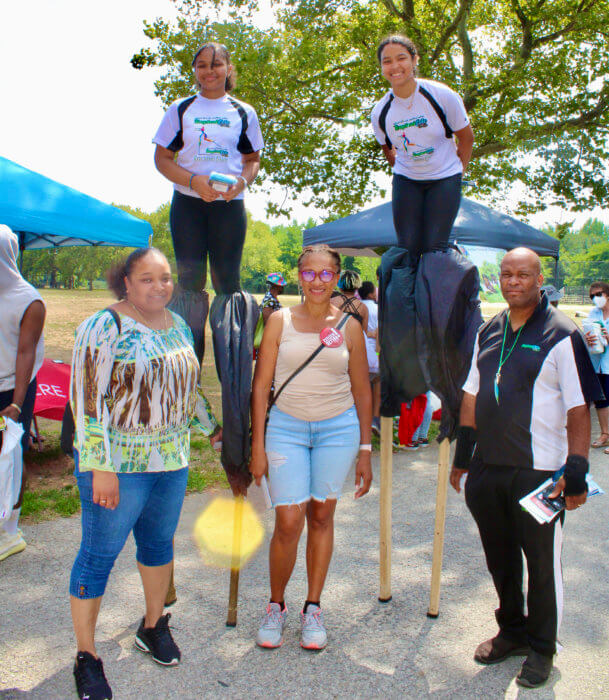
150 505
309 459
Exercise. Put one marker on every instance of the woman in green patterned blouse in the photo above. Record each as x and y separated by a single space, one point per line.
135 395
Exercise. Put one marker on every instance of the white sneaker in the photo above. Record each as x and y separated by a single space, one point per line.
313 633
270 633
10 544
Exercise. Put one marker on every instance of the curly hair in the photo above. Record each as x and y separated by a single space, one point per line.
115 276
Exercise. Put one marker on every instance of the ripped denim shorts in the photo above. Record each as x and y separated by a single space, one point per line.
309 459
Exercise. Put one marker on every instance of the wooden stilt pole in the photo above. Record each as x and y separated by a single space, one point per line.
438 538
233 593
385 502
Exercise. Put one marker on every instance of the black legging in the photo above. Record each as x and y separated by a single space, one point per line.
200 229
424 211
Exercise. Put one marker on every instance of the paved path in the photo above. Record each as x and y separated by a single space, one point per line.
375 650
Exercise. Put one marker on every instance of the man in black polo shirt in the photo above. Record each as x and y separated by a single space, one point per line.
525 414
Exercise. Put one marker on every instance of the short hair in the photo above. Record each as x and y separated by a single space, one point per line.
366 289
602 286
349 281
321 248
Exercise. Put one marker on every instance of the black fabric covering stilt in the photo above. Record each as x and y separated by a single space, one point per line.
402 377
233 320
448 317
429 314
193 307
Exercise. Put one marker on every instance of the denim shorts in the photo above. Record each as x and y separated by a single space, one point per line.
149 504
309 459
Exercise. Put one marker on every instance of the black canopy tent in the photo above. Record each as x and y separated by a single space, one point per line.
370 232
477 225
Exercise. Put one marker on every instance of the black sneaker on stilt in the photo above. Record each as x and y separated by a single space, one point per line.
158 642
91 683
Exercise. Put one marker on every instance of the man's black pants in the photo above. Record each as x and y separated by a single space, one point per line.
492 494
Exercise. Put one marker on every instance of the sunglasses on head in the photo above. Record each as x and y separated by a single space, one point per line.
324 275
596 294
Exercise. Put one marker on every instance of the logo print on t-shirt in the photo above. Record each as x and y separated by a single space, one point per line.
419 122
415 151
208 148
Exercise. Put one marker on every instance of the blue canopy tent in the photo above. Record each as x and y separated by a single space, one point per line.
476 225
45 213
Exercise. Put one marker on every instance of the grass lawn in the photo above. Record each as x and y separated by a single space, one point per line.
51 487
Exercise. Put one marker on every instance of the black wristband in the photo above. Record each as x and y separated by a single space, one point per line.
576 468
466 442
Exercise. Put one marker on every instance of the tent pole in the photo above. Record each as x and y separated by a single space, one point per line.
385 503
438 537
556 273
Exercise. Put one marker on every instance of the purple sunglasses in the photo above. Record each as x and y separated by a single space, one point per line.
324 275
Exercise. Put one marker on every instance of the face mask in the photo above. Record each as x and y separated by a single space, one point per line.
600 302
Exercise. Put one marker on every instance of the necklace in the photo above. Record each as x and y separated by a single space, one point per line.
501 360
414 94
146 323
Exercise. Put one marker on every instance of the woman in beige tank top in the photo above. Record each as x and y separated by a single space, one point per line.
318 427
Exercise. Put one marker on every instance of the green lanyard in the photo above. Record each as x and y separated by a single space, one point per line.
501 360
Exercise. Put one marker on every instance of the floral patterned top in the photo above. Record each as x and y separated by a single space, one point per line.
269 300
135 395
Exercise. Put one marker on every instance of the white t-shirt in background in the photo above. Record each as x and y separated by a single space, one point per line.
211 130
373 324
415 130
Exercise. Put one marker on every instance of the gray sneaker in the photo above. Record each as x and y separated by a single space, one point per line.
313 634
270 633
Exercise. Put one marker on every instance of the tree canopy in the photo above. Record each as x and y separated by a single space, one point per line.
533 75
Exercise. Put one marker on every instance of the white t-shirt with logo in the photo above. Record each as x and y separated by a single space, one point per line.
211 133
417 133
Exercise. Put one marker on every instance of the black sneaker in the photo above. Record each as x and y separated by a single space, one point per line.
91 683
158 641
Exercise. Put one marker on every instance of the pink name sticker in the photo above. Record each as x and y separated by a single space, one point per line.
331 337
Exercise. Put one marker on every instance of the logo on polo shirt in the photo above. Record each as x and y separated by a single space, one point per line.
534 348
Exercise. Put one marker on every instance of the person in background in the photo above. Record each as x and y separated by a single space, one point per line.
318 426
599 295
419 439
134 396
367 293
524 418
22 314
270 302
346 297
553 295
